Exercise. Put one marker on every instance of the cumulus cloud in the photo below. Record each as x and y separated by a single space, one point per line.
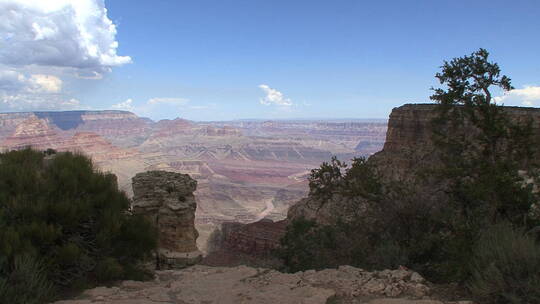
11 81
64 33
529 95
126 105
42 41
15 82
20 92
45 83
34 102
274 97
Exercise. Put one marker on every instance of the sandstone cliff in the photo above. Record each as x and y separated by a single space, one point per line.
408 148
113 125
167 199
35 132
258 238
409 143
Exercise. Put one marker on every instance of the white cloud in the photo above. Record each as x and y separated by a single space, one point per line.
64 33
72 103
12 81
36 102
43 40
25 92
529 95
126 105
274 96
168 100
45 83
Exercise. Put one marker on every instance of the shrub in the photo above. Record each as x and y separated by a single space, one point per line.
63 212
328 178
24 282
307 245
506 267
394 227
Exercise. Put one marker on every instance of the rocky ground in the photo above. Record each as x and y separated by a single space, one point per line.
222 285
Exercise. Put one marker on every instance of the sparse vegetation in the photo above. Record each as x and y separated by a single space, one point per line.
487 167
506 266
64 222
394 228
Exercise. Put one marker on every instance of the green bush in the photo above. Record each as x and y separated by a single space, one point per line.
60 210
24 282
506 267
307 245
386 236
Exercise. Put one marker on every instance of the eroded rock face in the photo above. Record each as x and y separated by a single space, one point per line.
409 145
408 148
167 199
223 285
257 239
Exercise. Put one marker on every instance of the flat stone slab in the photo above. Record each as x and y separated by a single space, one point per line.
223 285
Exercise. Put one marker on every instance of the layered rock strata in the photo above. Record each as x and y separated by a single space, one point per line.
408 148
409 139
259 238
167 199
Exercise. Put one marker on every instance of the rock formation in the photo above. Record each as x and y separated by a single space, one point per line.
258 238
408 148
409 138
34 132
167 199
113 125
223 285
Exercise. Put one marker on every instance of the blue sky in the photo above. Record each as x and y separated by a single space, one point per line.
221 60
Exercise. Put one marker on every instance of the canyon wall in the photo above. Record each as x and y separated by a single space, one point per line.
112 125
408 148
258 239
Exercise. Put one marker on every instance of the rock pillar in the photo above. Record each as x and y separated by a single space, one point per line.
167 199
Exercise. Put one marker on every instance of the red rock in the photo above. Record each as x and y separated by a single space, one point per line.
259 238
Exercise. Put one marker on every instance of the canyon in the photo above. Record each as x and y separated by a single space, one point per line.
408 143
246 170
408 148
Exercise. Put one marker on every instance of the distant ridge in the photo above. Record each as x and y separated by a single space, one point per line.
67 120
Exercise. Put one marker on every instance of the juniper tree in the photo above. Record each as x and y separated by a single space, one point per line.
486 156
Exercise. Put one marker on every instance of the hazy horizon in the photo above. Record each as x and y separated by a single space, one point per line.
327 119
216 61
